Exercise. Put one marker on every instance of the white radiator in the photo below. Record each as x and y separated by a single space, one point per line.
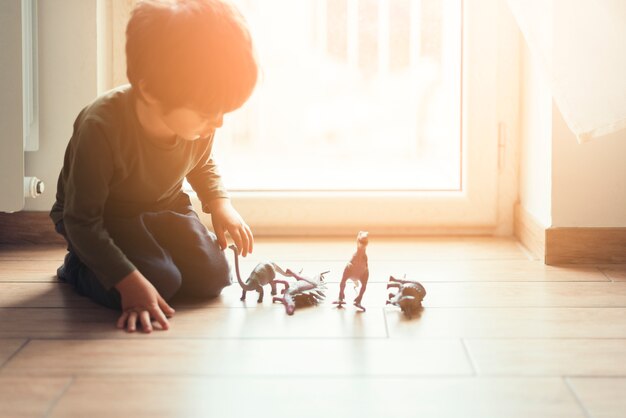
19 101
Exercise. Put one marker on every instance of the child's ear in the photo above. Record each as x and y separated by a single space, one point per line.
145 94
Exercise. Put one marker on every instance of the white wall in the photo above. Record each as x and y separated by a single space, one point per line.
535 176
67 71
588 179
564 183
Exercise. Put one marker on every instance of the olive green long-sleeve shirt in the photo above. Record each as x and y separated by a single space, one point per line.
112 168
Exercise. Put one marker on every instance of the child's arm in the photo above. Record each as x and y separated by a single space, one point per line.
83 190
141 300
206 181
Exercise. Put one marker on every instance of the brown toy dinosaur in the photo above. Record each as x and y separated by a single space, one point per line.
356 270
408 297
304 292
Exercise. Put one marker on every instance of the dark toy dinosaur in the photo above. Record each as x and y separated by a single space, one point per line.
408 297
263 274
356 270
304 292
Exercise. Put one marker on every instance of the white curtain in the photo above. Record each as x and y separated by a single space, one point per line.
581 47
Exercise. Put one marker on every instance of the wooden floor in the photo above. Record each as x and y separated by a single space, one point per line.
501 335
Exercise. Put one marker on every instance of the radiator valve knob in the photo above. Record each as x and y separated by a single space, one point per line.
33 187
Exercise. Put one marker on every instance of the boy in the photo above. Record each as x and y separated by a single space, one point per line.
133 238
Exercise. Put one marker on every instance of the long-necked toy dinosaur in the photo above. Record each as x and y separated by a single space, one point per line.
357 270
263 274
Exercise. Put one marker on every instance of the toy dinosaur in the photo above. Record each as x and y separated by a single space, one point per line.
263 274
408 297
356 270
304 292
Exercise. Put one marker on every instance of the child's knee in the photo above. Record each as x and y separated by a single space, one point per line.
167 281
209 282
221 276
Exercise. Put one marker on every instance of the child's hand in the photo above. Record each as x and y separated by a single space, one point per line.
141 300
226 218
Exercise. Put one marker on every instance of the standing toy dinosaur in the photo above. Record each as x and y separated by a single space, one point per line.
408 297
356 270
304 292
263 274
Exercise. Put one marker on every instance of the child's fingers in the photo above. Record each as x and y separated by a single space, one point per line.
121 322
220 233
144 317
248 232
241 240
167 309
132 321
158 315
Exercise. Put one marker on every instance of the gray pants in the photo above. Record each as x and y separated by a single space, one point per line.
173 250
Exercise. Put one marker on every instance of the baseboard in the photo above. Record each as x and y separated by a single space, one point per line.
585 245
28 228
552 245
530 232
567 245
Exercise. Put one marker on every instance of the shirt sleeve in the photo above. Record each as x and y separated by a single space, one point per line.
205 179
87 188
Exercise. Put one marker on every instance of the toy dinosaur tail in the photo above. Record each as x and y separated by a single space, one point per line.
278 269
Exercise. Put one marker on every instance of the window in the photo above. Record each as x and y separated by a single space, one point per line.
371 114
355 95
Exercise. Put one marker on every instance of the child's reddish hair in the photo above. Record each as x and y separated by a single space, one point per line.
195 53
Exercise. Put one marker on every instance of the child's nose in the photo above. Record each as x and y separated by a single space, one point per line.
215 121
219 121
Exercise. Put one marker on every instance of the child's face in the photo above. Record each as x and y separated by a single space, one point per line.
191 124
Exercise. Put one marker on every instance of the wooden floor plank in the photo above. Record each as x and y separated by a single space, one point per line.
423 271
28 271
493 294
248 323
241 357
41 295
448 295
548 357
29 397
327 322
318 397
437 271
571 294
509 323
601 397
32 252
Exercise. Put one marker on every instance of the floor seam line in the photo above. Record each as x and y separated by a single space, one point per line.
55 401
579 401
14 353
